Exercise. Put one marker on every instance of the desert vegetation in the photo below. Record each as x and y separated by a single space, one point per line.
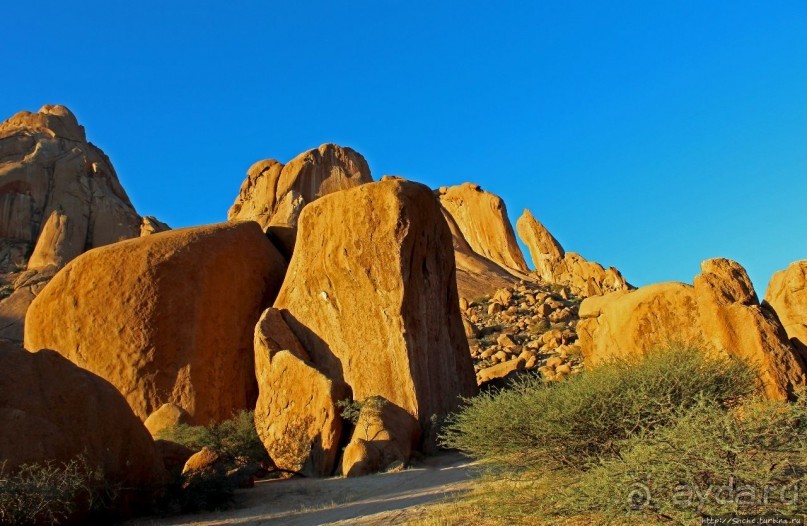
230 455
235 439
51 492
670 438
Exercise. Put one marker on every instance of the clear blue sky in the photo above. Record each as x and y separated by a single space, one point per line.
646 135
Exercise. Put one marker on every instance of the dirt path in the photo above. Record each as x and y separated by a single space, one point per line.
375 500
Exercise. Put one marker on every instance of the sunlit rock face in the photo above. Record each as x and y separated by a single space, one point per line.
369 307
274 194
719 314
59 197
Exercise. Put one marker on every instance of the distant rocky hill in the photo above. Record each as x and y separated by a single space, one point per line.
59 197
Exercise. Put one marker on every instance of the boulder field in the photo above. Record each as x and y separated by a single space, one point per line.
166 318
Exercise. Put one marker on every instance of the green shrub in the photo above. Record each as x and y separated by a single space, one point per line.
235 439
49 493
207 490
708 462
572 424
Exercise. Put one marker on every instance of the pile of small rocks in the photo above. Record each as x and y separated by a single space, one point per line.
530 326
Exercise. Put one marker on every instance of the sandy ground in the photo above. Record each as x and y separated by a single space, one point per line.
389 498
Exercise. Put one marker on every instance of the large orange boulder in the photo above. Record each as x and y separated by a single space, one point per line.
720 314
166 318
482 219
52 410
787 295
555 265
167 417
371 297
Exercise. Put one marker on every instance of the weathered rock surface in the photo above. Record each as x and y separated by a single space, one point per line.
482 218
203 460
500 371
21 291
554 265
52 410
720 314
274 194
372 299
166 318
296 416
166 417
59 196
151 225
384 435
787 295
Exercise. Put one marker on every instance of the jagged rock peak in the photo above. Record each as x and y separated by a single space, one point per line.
555 265
270 186
54 120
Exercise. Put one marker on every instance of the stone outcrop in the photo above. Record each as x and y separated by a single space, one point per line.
787 295
720 314
59 196
151 225
53 411
554 265
274 194
296 416
482 219
476 275
371 298
21 291
166 417
384 435
165 318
